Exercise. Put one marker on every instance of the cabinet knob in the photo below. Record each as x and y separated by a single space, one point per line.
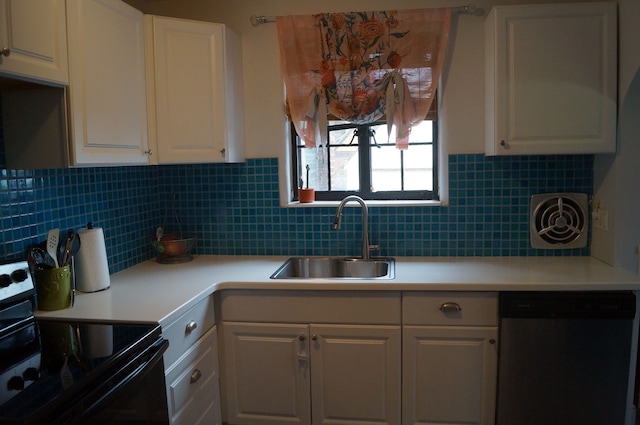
504 144
5 51
301 337
191 326
149 152
450 307
223 152
314 337
492 341
195 376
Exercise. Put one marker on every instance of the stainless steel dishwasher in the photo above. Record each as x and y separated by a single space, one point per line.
564 357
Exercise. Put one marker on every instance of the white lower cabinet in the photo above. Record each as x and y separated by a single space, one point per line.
312 373
191 367
355 374
449 375
192 386
358 357
449 358
267 373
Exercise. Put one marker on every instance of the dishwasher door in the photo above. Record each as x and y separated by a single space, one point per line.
564 358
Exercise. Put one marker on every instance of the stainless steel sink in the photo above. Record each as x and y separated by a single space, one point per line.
336 268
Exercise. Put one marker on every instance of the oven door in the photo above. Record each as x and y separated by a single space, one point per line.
135 394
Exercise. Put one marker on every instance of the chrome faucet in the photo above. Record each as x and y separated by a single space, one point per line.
365 222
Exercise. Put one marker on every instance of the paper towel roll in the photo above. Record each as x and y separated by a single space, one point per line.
92 266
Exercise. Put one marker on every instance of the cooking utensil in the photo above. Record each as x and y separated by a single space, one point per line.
68 248
73 280
37 258
52 245
66 252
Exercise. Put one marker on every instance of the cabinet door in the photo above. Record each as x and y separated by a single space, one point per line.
355 374
266 373
551 79
449 375
107 83
196 70
33 40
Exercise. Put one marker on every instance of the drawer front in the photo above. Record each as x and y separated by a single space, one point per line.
193 386
450 308
185 331
276 306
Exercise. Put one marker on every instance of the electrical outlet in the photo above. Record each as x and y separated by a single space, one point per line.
601 219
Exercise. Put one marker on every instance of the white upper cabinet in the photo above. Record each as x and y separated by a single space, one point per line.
195 91
551 75
33 41
107 90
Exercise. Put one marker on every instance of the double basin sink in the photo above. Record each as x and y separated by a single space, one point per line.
336 268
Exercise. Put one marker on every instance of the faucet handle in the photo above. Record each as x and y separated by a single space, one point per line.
374 248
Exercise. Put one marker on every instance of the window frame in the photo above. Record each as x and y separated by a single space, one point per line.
364 160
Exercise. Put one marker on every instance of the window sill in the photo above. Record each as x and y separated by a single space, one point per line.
370 203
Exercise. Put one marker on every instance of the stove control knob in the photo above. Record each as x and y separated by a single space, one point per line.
5 280
31 374
16 383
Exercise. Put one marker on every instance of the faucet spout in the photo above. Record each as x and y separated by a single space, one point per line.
365 222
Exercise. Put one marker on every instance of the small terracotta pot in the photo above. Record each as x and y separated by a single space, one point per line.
306 195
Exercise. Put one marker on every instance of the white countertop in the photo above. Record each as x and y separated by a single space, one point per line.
153 292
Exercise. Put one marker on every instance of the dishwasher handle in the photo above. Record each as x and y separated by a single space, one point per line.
568 305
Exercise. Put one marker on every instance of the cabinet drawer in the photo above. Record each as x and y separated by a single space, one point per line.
441 308
276 306
192 386
187 329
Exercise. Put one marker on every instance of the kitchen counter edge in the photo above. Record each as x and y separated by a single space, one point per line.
151 292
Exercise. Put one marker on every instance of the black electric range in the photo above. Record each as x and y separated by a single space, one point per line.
60 372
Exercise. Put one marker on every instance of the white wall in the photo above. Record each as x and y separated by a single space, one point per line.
617 177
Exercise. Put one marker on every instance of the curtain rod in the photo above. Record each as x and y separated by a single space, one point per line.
469 9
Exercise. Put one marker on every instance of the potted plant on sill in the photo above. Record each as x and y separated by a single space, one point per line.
306 195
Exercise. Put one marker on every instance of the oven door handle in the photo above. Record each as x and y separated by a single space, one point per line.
135 369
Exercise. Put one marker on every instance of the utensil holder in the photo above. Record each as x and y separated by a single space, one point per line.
53 288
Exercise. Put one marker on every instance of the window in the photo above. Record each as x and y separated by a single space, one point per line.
359 159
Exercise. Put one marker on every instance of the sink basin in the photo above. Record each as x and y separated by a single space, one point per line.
335 268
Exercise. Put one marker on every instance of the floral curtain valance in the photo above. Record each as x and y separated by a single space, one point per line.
361 67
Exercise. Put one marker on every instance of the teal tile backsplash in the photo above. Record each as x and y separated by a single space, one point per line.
234 209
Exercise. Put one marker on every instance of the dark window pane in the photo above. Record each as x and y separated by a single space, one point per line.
363 159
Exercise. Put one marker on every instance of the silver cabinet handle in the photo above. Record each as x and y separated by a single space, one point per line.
195 376
450 307
5 52
191 326
303 352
